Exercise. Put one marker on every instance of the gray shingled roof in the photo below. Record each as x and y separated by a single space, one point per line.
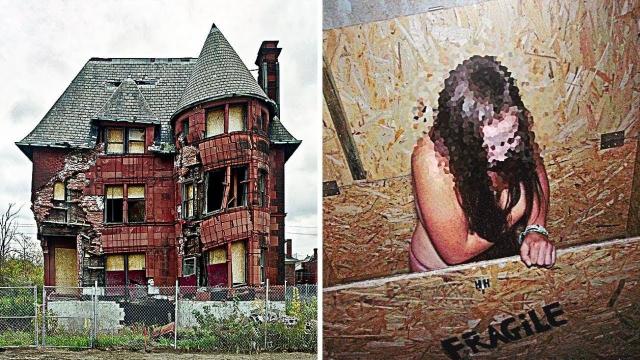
150 90
68 123
219 73
127 104
279 135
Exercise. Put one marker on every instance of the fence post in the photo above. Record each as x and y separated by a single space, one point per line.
175 319
44 316
94 337
35 315
266 314
285 293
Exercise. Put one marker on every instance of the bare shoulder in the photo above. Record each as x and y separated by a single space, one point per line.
426 161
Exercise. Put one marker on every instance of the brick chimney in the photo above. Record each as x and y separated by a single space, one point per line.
288 242
269 69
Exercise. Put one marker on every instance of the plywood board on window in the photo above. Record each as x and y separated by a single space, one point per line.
218 256
66 272
238 262
407 316
115 263
136 261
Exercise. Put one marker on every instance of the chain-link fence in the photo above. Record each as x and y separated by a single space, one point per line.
216 319
18 316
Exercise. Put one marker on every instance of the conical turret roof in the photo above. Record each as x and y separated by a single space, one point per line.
219 73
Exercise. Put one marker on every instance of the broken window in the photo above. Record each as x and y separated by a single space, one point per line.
217 273
135 203
238 262
59 191
262 188
115 141
185 128
237 118
126 269
135 143
215 122
215 189
188 201
114 204
238 191
189 266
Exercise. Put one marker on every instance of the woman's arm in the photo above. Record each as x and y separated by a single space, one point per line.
536 249
439 211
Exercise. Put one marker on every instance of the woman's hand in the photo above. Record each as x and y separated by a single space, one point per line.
537 250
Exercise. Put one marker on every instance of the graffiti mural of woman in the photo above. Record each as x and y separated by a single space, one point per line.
479 181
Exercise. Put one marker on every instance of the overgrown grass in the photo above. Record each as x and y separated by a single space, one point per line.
16 338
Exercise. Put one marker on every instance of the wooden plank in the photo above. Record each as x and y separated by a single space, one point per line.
596 286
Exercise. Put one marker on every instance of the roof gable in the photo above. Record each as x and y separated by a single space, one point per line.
127 104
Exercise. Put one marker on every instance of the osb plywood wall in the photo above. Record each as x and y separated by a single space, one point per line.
407 317
576 65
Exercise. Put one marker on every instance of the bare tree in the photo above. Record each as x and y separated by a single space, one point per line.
8 235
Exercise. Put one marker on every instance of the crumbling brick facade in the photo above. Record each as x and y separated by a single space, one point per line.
144 189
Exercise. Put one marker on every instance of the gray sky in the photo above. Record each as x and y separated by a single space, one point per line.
43 45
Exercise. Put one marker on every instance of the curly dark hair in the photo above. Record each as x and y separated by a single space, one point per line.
476 90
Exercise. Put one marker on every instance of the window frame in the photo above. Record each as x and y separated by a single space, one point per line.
188 201
195 267
125 204
126 140
105 219
142 200
225 119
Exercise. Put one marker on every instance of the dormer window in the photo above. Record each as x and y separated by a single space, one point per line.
226 119
124 141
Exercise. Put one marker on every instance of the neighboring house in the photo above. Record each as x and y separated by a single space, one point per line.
290 264
307 273
164 168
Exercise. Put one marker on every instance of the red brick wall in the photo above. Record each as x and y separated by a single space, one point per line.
47 162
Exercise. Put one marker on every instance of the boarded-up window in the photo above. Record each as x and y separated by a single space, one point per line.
113 204
59 191
215 189
262 188
135 203
218 256
136 261
126 269
238 262
188 201
215 122
115 263
217 270
115 141
66 268
136 141
238 190
237 118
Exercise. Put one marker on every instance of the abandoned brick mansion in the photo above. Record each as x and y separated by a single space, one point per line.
163 169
